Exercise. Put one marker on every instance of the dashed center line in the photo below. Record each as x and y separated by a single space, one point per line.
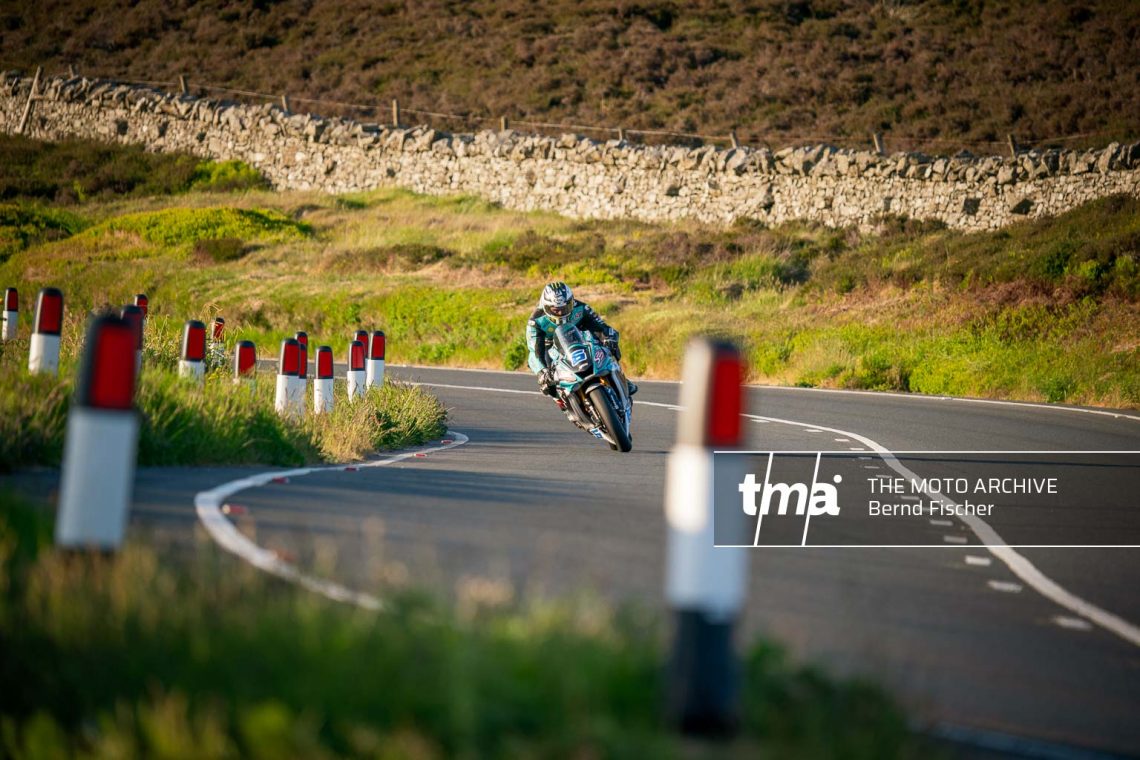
941 523
954 539
1072 623
1006 587
979 561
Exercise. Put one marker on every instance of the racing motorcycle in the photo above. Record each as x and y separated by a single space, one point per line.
592 387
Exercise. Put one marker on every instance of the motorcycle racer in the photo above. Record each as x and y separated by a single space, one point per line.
557 306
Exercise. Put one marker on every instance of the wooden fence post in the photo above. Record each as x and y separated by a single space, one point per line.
621 134
72 71
1012 146
31 99
182 84
504 125
732 138
395 112
285 103
877 141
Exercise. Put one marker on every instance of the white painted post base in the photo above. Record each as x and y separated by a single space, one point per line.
699 576
10 321
98 478
43 354
290 398
375 372
356 379
194 370
322 396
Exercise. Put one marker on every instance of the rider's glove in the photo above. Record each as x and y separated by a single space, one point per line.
612 345
546 378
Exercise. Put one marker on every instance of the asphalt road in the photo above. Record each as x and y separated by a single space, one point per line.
531 505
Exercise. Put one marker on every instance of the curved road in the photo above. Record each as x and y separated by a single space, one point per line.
529 504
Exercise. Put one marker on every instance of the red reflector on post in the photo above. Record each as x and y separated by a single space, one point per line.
194 341
245 358
49 312
219 328
11 300
133 316
143 303
107 375
290 356
362 336
324 363
302 338
302 360
376 350
726 402
356 355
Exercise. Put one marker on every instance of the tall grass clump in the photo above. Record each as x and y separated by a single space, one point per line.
135 655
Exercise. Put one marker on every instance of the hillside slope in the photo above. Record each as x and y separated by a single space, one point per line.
935 75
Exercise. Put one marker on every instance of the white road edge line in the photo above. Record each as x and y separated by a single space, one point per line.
208 505
796 388
996 545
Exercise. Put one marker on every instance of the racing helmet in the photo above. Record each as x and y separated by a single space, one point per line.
557 301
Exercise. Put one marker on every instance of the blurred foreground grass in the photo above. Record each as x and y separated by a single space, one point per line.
138 655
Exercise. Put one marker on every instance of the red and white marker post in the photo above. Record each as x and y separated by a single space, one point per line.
11 314
375 367
143 303
134 317
705 586
245 361
356 376
323 383
193 361
43 352
218 343
303 366
102 441
290 398
362 336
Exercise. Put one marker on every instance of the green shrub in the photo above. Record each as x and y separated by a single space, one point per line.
226 177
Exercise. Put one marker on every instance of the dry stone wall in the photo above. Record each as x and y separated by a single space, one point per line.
574 175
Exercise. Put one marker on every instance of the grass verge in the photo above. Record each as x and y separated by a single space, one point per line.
243 665
220 423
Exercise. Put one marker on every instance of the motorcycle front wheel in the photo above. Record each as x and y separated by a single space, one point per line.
610 419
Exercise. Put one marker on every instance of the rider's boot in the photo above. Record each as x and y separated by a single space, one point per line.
631 386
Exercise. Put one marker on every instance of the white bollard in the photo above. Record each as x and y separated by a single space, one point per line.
375 366
323 382
290 398
245 361
362 336
303 366
11 314
705 586
134 317
355 376
143 303
43 351
302 339
193 361
102 441
218 343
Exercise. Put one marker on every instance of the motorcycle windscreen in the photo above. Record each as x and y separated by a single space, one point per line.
572 346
